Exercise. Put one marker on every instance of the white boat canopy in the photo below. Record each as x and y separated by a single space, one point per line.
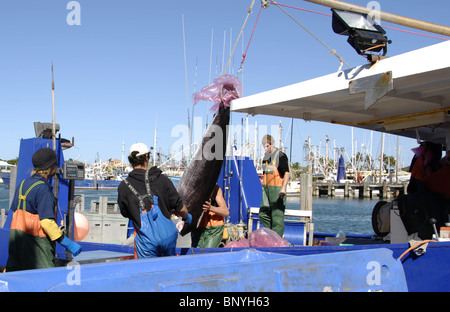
5 164
407 95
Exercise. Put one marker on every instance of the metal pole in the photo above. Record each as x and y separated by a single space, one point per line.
70 216
381 157
387 17
154 147
396 163
187 91
53 109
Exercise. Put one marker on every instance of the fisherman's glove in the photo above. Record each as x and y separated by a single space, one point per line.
188 220
71 246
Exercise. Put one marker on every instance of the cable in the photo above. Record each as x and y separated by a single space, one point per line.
415 246
248 45
415 33
393 28
375 47
333 52
309 11
249 11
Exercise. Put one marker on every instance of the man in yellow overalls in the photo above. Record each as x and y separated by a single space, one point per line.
275 180
33 228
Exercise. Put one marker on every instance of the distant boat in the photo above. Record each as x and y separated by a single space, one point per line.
97 177
5 177
5 173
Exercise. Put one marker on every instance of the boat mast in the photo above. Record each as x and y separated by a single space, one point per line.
53 110
279 139
396 162
381 157
154 147
209 81
290 147
123 154
326 157
187 90
387 17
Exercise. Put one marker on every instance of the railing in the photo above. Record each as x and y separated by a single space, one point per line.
365 189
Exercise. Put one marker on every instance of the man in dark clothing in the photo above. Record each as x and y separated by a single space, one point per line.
33 231
168 200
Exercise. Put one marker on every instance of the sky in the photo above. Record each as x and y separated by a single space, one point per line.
119 68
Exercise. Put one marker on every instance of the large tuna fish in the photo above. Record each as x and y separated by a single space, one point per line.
200 177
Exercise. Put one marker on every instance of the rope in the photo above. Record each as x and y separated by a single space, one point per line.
309 11
415 246
415 33
250 40
249 11
333 52
392 28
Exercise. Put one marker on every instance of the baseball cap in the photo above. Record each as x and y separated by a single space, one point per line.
141 148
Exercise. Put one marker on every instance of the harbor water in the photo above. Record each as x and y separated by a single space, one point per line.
4 197
330 215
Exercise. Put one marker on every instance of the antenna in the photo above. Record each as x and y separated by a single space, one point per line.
187 89
53 109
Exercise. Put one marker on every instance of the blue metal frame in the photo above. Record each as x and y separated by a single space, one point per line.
241 186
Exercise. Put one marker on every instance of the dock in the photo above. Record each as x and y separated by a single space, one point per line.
359 190
106 224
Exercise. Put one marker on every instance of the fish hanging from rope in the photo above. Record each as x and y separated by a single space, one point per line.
200 177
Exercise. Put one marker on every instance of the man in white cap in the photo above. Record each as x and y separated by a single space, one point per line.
135 193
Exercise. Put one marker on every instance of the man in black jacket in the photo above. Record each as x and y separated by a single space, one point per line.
169 200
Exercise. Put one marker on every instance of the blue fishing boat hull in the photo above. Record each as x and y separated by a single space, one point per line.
242 271
314 268
427 272
423 273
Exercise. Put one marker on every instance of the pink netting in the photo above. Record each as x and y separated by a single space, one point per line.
242 243
223 90
262 237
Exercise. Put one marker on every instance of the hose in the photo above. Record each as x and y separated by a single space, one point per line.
415 246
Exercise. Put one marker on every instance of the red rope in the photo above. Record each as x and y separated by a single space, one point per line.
248 45
415 33
325 14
